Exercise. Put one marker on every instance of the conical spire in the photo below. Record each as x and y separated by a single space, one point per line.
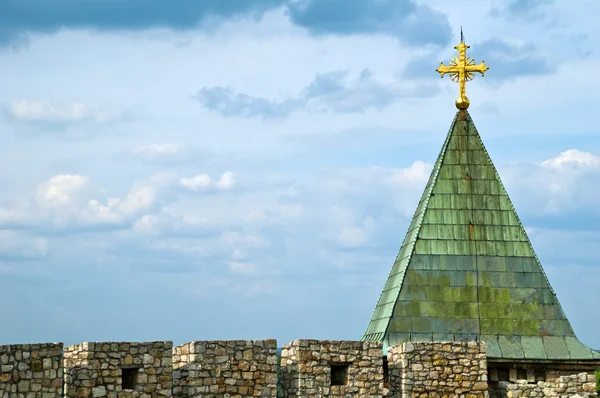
466 269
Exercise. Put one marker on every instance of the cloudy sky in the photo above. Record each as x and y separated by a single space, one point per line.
225 169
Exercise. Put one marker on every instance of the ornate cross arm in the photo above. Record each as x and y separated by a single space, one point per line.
443 69
462 69
481 68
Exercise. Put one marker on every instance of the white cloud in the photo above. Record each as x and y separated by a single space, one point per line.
573 157
203 182
69 201
359 179
139 199
196 183
169 223
183 154
60 189
347 230
557 185
226 181
157 150
66 113
418 171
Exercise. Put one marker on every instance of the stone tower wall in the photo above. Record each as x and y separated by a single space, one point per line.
440 369
325 368
99 369
31 370
240 368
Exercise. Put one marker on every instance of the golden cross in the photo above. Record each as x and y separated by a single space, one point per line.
462 70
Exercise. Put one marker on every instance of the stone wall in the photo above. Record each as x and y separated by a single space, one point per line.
324 368
582 385
235 368
111 369
248 368
553 375
31 370
438 369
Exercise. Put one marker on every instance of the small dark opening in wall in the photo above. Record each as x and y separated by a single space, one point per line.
339 374
503 375
540 375
129 378
521 374
386 374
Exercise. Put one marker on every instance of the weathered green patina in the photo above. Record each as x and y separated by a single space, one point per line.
466 269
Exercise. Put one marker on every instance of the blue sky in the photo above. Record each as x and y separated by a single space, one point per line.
229 169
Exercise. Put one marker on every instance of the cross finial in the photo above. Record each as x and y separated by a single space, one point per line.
462 69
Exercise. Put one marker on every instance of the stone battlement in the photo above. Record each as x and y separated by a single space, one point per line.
252 368
240 368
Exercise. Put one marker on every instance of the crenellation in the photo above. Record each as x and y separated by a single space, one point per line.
240 368
111 369
249 368
332 368
31 370
438 369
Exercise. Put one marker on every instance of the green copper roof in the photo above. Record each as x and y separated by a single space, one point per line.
466 269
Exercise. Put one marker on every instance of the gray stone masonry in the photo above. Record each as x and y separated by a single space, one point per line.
234 368
440 369
325 368
31 370
582 385
100 369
